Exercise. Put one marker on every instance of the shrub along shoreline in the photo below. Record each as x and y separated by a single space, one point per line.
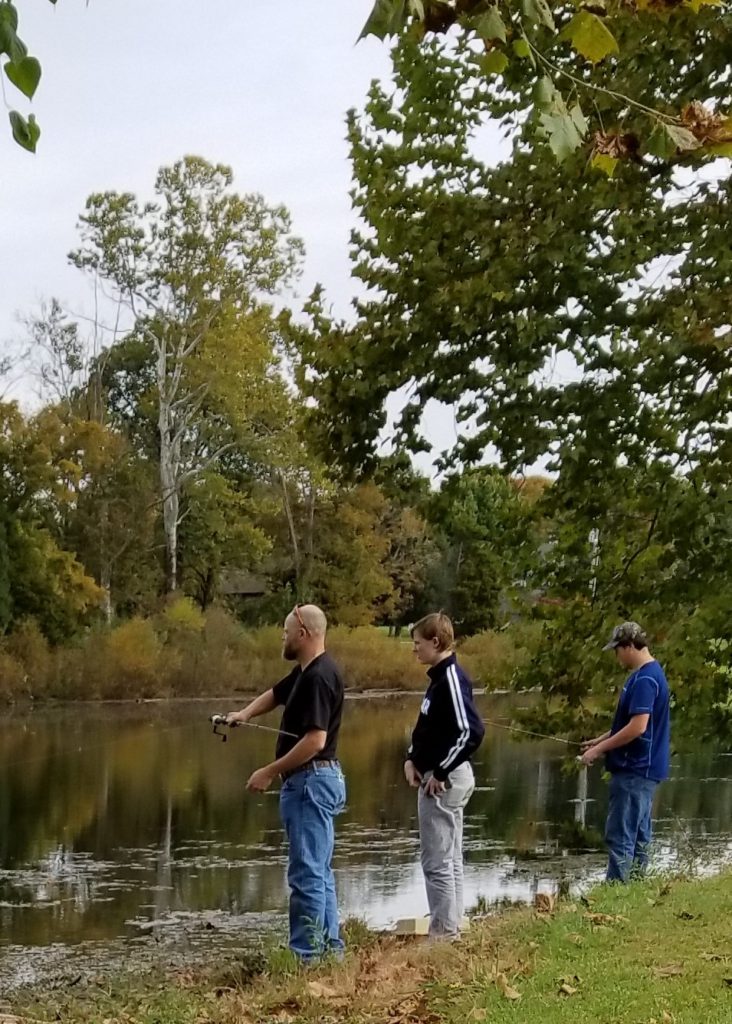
653 952
182 652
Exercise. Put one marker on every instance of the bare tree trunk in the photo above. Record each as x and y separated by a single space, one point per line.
310 535
291 527
105 582
169 470
105 562
171 505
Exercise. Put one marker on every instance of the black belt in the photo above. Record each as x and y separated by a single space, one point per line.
310 766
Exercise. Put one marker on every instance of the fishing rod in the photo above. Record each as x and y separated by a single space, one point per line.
217 720
529 732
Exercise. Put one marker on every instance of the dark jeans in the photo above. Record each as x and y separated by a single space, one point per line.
628 826
309 801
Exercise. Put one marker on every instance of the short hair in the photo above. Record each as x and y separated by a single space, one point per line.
311 618
435 626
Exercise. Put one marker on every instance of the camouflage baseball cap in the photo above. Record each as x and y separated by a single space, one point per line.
625 634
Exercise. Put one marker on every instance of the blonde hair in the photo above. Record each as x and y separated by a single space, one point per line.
435 626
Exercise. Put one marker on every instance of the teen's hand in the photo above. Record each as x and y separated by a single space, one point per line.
433 786
591 755
586 744
412 775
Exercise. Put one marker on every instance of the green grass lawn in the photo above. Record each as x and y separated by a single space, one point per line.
628 955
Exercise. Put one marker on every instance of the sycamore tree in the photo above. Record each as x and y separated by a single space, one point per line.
636 80
192 268
572 320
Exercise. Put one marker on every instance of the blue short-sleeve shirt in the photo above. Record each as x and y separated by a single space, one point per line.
645 693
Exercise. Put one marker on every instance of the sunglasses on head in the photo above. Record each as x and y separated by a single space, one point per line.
298 616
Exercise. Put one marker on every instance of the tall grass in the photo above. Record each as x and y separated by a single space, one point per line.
182 652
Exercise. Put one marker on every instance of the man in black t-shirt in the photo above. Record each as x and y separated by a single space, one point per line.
313 788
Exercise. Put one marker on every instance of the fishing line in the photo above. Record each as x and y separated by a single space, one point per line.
529 732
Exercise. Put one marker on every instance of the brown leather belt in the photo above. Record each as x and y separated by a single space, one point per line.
310 766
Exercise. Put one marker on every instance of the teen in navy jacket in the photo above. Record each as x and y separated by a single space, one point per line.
447 733
449 729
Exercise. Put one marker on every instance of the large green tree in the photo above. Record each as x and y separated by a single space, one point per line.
38 578
569 318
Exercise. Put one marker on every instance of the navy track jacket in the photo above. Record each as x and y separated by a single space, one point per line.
449 729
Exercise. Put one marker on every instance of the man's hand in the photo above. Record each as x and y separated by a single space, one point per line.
412 775
433 786
260 780
591 754
235 718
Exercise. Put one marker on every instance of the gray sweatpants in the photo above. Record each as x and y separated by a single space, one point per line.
441 844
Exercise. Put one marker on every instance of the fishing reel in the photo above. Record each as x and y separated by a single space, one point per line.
218 720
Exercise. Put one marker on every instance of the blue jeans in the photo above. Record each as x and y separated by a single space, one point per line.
628 826
309 801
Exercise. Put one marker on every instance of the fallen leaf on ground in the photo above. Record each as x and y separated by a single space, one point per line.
602 919
478 1013
505 989
567 990
544 903
684 915
668 971
321 991
715 958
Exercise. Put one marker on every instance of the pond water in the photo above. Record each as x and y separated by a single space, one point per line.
126 835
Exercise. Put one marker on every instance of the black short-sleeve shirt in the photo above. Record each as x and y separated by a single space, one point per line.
312 699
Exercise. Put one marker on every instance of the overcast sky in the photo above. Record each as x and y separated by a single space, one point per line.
134 84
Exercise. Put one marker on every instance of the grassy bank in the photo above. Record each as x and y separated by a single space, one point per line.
184 653
659 952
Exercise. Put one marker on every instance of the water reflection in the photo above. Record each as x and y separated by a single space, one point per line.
122 825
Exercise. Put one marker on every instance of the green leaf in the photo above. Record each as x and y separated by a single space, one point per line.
590 36
25 133
562 134
490 25
720 149
9 16
387 18
494 63
544 91
25 75
605 163
564 129
522 49
539 12
10 42
666 140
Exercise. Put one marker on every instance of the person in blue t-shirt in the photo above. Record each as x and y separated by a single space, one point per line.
637 752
